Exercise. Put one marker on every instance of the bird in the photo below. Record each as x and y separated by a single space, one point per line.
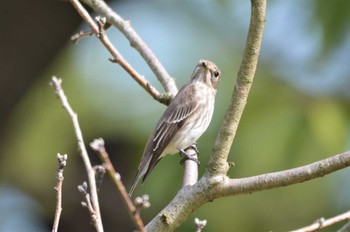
185 119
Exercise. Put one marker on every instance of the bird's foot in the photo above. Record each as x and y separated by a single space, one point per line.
194 147
186 156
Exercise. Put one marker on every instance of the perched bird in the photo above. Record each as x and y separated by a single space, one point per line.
184 121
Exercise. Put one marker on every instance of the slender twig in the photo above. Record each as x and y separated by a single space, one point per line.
98 146
83 188
218 160
82 34
135 40
97 220
323 223
62 161
117 57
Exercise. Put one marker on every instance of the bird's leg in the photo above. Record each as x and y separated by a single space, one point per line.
187 156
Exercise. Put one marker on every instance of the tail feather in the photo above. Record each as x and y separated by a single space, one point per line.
142 170
134 183
148 162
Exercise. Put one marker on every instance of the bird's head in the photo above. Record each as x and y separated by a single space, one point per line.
206 71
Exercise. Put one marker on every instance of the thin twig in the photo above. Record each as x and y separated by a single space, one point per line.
97 220
62 161
83 188
323 223
135 40
98 146
82 34
117 57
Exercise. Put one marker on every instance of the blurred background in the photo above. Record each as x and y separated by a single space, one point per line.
297 112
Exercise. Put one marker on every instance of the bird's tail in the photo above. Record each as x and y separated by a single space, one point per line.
142 172
135 182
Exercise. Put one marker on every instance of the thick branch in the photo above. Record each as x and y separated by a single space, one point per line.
287 177
209 188
135 40
218 160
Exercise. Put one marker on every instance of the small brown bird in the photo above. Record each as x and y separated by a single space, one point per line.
184 121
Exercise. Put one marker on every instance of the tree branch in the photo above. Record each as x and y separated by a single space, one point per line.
218 160
209 188
135 40
98 146
323 223
62 161
189 199
190 175
98 30
96 220
287 177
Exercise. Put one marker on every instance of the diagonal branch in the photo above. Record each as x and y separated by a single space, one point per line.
135 40
98 30
323 223
98 146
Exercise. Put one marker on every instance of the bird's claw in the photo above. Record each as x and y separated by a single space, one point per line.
194 147
189 157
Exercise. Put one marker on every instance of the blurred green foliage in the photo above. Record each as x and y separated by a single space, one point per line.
334 21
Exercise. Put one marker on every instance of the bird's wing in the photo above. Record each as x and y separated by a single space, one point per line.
171 121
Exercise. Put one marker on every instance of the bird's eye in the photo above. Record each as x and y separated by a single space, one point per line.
216 74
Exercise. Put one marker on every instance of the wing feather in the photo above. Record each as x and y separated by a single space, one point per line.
168 125
183 105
